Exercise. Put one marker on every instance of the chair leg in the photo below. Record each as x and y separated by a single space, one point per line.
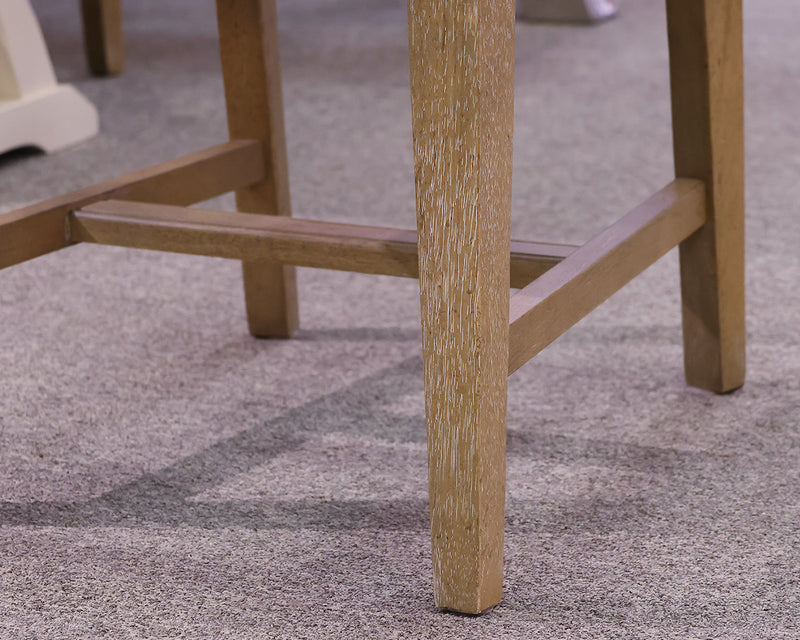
103 36
705 39
462 59
248 34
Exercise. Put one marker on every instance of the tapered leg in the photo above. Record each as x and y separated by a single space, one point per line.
705 39
248 34
103 35
462 60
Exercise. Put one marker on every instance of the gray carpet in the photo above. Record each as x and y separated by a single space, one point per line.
166 475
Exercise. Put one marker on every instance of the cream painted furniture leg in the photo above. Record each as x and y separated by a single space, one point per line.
35 110
105 42
705 38
248 34
462 89
567 10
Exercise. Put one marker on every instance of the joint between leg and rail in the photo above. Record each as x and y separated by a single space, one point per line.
551 304
42 227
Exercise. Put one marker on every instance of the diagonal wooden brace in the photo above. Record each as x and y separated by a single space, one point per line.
550 305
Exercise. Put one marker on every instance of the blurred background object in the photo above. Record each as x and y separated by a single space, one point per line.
35 110
104 39
567 10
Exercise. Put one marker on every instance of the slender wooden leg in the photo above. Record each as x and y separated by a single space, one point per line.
705 40
462 65
102 31
248 33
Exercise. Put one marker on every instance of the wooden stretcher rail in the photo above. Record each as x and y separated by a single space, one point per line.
42 227
550 305
307 243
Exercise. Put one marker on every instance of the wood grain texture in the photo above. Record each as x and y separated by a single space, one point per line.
248 34
550 305
462 62
705 39
103 36
307 243
42 227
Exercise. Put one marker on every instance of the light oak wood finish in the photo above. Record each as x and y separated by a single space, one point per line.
307 243
462 90
41 228
103 36
248 34
705 39
566 10
462 56
550 305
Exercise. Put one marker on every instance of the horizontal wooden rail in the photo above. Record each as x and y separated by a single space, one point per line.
41 228
307 243
550 305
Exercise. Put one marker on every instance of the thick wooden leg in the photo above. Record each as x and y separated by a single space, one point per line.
705 39
462 59
102 32
248 33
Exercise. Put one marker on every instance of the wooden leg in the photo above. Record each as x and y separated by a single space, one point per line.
248 33
35 109
705 39
462 60
102 31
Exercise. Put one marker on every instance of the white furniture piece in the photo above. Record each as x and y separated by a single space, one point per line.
35 110
474 334
567 10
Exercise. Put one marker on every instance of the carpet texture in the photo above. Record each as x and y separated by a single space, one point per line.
166 475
